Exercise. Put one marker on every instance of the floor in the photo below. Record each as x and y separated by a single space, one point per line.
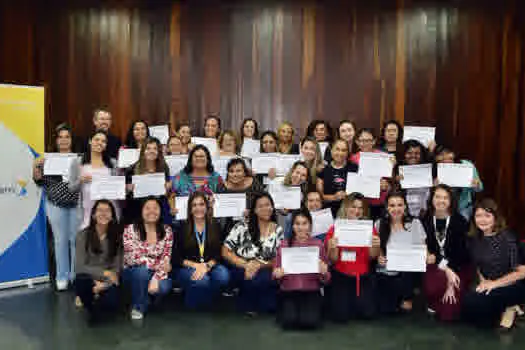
41 319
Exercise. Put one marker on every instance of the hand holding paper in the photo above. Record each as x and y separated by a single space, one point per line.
300 260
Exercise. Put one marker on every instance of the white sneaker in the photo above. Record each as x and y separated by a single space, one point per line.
136 315
61 285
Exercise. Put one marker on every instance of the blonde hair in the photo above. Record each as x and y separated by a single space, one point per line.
230 133
342 213
313 166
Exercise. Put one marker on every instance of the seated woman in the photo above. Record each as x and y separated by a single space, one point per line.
448 273
197 255
495 255
250 248
147 255
351 292
98 261
300 299
395 290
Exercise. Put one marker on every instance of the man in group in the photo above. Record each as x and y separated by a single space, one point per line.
102 121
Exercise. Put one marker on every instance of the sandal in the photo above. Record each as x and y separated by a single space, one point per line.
508 318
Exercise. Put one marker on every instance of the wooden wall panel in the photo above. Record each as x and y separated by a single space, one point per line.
457 66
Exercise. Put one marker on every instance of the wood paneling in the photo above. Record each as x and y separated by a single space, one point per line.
459 66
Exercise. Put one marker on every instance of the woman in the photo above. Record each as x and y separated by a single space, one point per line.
138 133
249 129
312 156
331 181
147 255
268 145
250 249
365 143
391 137
174 145
501 277
285 134
352 289
98 261
95 162
228 143
320 130
184 131
466 196
62 210
346 131
313 201
198 255
301 300
396 228
198 174
212 126
448 273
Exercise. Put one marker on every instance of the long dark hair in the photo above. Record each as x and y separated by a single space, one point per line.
382 139
218 119
160 163
86 158
139 224
61 127
295 214
273 135
253 222
236 161
256 131
130 139
313 124
385 222
431 211
491 206
189 166
211 233
114 234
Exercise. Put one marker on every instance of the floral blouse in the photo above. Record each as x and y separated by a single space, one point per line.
240 242
141 253
184 184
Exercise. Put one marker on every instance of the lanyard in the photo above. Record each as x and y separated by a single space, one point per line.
441 242
201 239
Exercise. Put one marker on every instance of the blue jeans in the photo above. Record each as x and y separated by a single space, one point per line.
137 278
201 293
64 223
258 294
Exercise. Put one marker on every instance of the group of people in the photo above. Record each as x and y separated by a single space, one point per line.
475 265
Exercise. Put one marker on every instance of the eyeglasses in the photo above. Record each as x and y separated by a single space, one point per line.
365 140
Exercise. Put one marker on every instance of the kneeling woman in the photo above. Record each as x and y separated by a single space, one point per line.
351 293
98 261
198 254
301 300
147 255
251 248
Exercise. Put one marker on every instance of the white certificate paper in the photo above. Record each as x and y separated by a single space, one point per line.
370 187
127 157
423 134
181 203
176 163
285 197
375 164
286 161
353 233
455 174
220 165
407 259
149 185
250 148
108 187
229 205
322 220
300 260
58 163
263 162
161 132
322 147
208 142
416 176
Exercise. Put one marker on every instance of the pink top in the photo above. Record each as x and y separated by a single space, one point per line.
354 158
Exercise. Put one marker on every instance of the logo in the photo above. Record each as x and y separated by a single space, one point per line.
18 189
22 184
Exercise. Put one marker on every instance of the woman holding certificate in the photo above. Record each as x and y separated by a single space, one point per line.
250 249
147 255
212 126
285 134
198 253
268 145
448 273
300 299
391 137
319 130
298 176
249 129
137 134
228 143
174 145
351 293
500 270
312 157
184 131
346 131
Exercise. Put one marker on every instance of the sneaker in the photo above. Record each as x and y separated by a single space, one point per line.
136 315
431 311
61 285
78 302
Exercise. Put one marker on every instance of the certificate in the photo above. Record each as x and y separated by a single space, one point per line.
161 132
229 205
181 203
370 187
286 161
149 185
176 163
285 197
322 147
58 163
300 260
220 165
416 176
322 220
250 148
375 164
353 233
407 259
423 134
262 163
455 175
208 142
108 187
127 157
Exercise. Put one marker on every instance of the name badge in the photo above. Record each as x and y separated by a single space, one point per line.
348 256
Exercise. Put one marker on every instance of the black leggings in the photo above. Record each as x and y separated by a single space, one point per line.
344 303
300 310
392 290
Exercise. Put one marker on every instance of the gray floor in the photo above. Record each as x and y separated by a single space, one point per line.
41 319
